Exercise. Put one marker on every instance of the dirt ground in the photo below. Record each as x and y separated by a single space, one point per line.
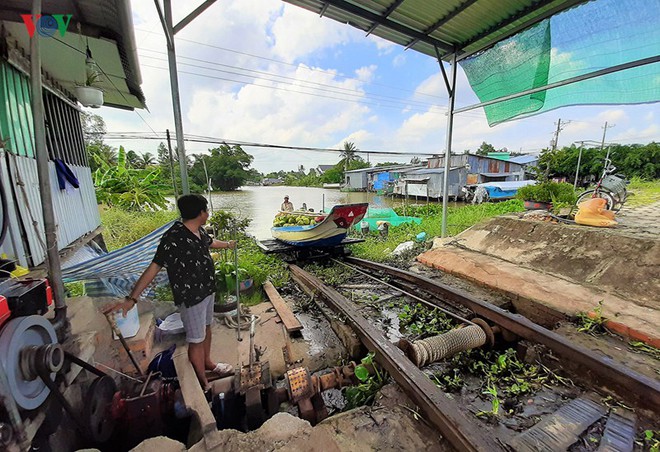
390 425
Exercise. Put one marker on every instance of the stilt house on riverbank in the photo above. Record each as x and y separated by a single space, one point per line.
106 29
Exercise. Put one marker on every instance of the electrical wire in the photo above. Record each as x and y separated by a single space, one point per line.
316 85
323 71
214 140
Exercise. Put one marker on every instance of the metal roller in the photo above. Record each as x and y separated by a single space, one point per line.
18 340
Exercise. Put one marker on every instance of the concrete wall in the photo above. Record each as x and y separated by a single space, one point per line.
627 265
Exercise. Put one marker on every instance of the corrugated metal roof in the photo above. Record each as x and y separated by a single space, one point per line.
107 26
524 159
461 26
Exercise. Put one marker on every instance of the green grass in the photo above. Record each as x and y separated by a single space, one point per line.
121 227
458 220
643 192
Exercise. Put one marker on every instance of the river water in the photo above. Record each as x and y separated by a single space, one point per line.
262 203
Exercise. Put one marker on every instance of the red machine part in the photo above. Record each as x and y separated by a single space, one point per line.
49 293
5 313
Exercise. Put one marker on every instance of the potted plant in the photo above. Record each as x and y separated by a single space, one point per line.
544 195
88 94
225 277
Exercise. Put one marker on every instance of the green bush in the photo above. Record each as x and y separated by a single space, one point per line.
121 227
552 192
226 224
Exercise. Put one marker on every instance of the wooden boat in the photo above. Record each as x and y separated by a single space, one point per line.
329 232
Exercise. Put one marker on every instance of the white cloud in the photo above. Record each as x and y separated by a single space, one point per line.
399 60
366 74
297 33
612 115
295 43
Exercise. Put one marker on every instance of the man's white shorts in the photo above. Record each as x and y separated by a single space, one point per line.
196 318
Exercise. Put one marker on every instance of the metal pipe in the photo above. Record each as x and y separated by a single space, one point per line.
238 289
41 153
176 100
169 147
450 127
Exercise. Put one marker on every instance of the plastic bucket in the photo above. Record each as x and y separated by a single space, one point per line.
129 325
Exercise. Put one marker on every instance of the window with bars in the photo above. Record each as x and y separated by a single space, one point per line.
64 137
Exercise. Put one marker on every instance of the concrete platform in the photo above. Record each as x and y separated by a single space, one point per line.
556 270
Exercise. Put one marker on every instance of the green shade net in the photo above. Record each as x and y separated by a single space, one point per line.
596 35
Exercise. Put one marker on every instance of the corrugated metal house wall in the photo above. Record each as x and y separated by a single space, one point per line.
356 180
13 244
480 165
75 210
434 182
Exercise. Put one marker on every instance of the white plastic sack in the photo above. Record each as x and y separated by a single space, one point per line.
172 324
405 246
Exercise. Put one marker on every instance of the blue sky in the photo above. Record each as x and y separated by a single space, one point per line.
360 89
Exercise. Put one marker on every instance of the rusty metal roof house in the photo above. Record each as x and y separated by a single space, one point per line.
102 28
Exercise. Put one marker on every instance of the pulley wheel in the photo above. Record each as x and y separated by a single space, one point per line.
18 333
98 406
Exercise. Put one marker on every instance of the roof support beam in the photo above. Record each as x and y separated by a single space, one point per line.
459 9
523 26
450 132
389 11
169 37
568 81
190 17
444 73
325 7
377 19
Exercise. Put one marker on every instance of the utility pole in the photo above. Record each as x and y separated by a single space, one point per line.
170 30
169 146
577 170
602 143
560 127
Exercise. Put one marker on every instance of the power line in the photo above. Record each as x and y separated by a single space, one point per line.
323 71
360 101
215 140
334 89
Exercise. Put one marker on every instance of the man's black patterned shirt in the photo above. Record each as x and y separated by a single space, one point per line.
188 262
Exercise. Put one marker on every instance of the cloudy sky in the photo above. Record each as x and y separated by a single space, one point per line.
268 72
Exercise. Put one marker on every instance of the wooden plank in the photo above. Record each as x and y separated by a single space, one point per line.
193 397
288 318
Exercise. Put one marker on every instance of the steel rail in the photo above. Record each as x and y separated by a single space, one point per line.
407 293
440 409
602 370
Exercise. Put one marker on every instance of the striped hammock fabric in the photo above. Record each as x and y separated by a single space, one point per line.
128 261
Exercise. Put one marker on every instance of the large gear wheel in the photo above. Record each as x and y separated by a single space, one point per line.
18 334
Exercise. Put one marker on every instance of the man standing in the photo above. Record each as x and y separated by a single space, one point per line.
184 252
286 205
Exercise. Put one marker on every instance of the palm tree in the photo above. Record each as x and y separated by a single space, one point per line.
133 159
147 159
348 153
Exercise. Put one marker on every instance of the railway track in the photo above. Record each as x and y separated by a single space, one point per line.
557 430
